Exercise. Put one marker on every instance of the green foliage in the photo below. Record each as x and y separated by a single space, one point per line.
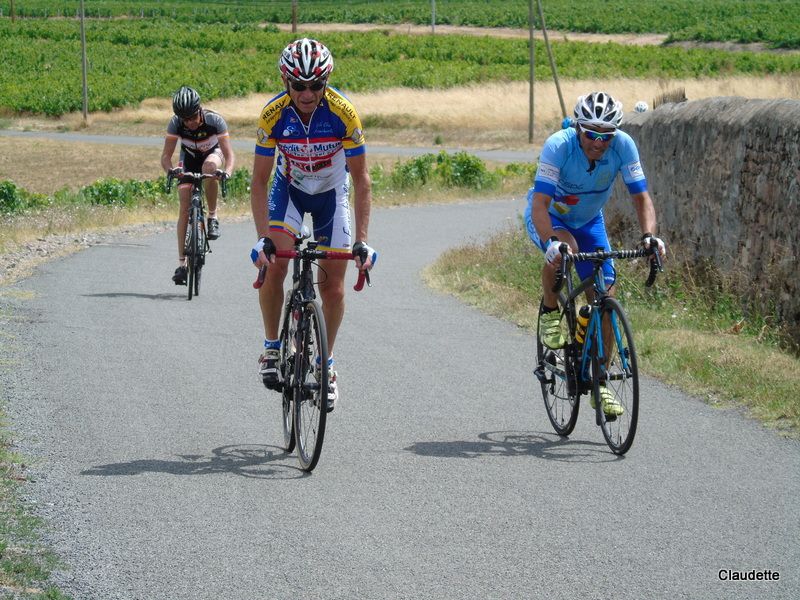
14 199
445 170
134 59
115 192
11 199
239 183
771 21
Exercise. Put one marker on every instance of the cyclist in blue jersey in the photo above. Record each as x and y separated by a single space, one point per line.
577 169
317 136
205 147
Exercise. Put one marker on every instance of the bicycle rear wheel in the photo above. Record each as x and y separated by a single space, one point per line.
286 366
310 386
618 371
559 389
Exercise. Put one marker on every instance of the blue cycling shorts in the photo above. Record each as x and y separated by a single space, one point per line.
590 237
330 213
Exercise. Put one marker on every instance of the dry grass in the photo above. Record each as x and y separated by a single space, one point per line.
497 114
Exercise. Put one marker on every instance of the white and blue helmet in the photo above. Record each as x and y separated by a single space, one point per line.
598 109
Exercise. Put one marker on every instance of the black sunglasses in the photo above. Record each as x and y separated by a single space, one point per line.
301 87
190 119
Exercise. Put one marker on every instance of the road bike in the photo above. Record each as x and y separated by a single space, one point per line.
303 370
606 358
196 245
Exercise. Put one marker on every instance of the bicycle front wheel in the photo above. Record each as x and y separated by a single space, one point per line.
556 376
617 370
191 254
310 386
200 252
286 366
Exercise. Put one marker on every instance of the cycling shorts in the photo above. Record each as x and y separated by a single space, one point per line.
590 237
329 210
193 163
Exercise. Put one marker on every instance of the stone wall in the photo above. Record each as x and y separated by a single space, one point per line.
724 174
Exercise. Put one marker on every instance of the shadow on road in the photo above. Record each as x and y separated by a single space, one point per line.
518 443
251 460
181 296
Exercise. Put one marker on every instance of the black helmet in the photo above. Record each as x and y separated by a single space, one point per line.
186 102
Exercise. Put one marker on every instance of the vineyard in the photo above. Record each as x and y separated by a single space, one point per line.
134 59
771 21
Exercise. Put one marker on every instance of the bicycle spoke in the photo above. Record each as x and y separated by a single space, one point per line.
311 387
618 373
286 366
558 386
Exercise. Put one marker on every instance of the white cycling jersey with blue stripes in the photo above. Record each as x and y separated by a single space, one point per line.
579 189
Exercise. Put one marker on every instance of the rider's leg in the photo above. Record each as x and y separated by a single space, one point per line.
270 296
331 290
210 165
185 198
549 270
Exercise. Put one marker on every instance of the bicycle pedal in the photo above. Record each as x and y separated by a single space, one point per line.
272 385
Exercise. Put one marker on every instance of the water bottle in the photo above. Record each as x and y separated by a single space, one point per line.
583 321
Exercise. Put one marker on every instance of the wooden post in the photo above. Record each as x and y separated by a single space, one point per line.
552 60
294 16
433 16
531 75
13 14
85 85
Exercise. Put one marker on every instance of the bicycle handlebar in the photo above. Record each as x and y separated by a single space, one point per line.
314 254
655 263
198 177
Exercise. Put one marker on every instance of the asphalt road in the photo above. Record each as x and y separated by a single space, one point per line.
156 460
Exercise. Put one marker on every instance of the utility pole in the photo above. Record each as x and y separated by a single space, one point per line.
552 60
294 16
85 86
13 14
433 16
531 76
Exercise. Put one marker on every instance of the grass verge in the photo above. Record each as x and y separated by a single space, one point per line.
711 350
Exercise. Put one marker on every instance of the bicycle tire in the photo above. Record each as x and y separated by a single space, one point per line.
200 252
286 365
310 386
191 257
555 372
620 374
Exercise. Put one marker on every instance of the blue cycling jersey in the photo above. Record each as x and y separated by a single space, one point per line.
578 189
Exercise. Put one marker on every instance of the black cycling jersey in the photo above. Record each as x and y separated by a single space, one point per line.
202 141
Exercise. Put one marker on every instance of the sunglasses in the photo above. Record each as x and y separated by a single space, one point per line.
301 87
596 135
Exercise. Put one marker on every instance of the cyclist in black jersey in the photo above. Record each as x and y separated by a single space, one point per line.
205 148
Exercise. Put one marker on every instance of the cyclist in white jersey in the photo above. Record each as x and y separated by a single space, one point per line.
577 169
317 136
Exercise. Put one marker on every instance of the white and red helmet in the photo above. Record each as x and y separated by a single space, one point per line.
598 109
306 60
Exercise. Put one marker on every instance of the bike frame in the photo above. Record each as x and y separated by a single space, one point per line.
593 337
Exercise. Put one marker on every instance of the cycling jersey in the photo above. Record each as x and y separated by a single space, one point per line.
579 189
311 157
200 142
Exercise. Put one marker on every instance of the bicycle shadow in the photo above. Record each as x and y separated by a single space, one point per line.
247 460
518 443
177 296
